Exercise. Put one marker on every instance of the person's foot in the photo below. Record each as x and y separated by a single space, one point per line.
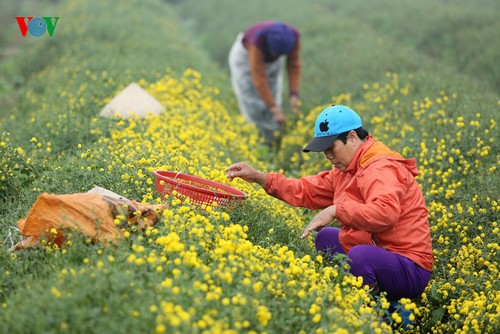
396 306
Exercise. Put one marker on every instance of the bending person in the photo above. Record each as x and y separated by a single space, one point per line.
255 62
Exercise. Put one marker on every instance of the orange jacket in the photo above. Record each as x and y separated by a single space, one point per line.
378 201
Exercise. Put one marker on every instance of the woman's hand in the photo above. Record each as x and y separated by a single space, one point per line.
278 115
246 172
323 218
294 102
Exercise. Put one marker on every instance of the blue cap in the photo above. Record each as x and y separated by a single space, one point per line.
330 123
280 38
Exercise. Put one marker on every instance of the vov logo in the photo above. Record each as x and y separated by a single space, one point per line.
37 26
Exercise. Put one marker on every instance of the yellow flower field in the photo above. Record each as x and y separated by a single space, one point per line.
226 270
243 268
211 276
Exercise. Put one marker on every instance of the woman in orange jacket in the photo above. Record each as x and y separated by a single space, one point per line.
373 195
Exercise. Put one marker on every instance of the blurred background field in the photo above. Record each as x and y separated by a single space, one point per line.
424 76
351 43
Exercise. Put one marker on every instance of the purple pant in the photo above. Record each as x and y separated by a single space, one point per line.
394 274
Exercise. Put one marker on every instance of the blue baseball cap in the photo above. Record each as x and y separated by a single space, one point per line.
332 121
280 38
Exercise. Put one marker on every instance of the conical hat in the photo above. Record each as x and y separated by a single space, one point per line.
130 102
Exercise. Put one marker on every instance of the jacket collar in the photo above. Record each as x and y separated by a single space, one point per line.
370 150
354 164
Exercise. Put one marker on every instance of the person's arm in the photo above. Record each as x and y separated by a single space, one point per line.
313 192
246 172
294 70
258 74
322 219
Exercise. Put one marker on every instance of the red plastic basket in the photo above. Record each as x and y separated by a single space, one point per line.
200 191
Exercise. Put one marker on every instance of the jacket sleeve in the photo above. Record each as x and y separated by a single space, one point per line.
382 188
258 75
312 192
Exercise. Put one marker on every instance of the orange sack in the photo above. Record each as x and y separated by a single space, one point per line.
94 215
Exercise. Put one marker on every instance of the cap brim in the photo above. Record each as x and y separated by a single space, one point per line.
319 144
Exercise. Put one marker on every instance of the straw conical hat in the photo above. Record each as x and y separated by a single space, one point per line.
130 102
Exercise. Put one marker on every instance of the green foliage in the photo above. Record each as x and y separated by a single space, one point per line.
113 52
16 167
425 75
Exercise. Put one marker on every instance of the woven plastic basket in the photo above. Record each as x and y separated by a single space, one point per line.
200 191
